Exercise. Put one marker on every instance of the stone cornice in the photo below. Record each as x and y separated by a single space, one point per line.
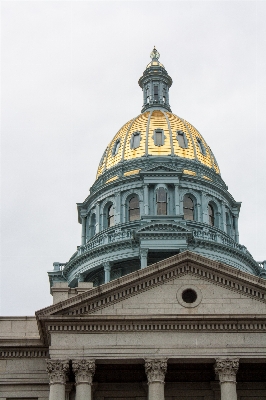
163 271
16 352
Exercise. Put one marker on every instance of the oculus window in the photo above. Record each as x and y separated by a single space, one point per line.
211 215
181 138
133 209
110 216
116 147
158 137
188 208
135 140
161 201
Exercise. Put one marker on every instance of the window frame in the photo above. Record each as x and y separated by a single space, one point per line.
164 202
154 136
108 217
116 147
182 133
210 205
188 195
134 134
201 146
136 208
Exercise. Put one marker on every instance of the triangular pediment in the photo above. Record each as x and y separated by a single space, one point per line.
157 289
162 168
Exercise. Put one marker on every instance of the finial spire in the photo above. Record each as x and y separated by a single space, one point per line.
155 83
155 55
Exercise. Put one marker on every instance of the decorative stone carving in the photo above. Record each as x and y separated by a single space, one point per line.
84 371
227 368
57 371
155 370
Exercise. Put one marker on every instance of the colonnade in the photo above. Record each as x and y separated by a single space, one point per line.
84 369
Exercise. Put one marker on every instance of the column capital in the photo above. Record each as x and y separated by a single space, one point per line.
83 370
155 370
227 368
57 371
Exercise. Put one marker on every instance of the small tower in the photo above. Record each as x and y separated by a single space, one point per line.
155 83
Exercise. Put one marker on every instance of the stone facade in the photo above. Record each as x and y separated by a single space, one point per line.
160 301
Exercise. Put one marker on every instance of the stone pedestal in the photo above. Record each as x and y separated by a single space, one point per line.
155 371
226 368
84 371
57 371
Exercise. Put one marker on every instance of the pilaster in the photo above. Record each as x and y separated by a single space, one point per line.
107 271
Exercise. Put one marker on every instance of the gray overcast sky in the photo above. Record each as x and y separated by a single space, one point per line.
69 82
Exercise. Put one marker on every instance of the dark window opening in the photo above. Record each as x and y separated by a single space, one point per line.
133 209
211 215
201 146
110 216
188 206
158 137
135 140
228 225
189 296
182 140
161 201
93 224
116 147
156 95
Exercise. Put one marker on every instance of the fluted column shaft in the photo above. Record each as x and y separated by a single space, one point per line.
57 371
226 368
155 371
84 371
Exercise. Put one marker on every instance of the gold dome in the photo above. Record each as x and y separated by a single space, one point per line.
120 148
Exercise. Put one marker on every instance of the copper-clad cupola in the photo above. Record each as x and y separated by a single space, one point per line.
155 83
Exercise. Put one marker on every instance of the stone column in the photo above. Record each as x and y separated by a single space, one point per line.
57 371
83 230
143 258
98 217
146 200
226 368
84 371
155 370
177 199
107 271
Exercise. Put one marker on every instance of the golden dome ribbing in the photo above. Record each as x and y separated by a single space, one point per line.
145 124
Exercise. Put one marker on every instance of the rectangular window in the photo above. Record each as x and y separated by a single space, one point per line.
181 140
156 96
158 138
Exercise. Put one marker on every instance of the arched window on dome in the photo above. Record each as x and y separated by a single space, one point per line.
161 201
182 139
211 215
93 225
188 208
133 208
135 140
110 216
